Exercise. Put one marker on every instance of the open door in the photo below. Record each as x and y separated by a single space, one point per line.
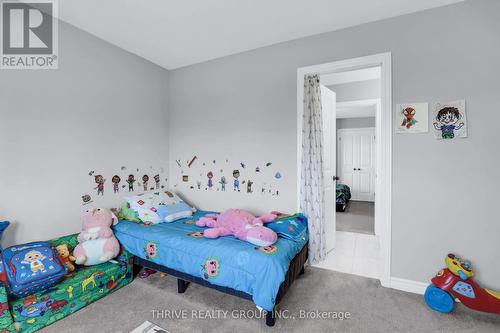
329 115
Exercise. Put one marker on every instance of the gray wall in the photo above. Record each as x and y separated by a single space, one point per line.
355 91
445 193
355 122
103 108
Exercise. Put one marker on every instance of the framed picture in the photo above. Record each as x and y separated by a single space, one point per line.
412 118
449 120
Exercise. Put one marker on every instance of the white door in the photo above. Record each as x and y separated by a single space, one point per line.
357 162
328 105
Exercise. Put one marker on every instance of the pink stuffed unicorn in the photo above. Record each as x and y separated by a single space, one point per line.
97 243
240 224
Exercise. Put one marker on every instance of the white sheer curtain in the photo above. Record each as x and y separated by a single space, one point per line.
311 184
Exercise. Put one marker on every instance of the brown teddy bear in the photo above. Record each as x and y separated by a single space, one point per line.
66 257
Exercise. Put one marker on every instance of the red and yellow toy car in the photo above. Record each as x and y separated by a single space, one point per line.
455 283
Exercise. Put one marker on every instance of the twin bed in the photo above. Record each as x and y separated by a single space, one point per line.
260 274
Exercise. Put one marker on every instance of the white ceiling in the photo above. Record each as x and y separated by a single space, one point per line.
177 33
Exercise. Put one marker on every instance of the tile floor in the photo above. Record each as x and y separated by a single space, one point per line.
355 253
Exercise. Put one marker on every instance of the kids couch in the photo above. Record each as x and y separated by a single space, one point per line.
78 289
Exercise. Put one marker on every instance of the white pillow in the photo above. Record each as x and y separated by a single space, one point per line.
143 205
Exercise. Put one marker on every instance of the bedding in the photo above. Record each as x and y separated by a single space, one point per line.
225 261
3 226
343 196
159 206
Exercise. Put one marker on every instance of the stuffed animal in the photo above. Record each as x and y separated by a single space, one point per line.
65 256
97 243
240 224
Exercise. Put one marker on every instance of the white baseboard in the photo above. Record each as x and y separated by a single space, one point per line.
410 286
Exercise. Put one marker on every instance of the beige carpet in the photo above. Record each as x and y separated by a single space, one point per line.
359 216
372 308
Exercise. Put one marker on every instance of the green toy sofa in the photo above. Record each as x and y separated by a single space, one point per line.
78 289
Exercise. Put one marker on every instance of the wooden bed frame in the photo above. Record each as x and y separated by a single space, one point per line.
296 268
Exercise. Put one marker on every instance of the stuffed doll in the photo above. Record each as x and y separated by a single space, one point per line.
97 243
65 256
240 224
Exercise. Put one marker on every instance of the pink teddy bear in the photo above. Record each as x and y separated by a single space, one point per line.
97 243
240 224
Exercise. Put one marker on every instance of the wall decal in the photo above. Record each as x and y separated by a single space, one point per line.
223 183
116 183
412 118
99 179
157 181
123 168
131 180
178 163
236 183
249 186
86 199
210 175
244 180
192 161
91 173
145 180
449 120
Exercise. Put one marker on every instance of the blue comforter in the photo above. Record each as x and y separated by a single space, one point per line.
226 261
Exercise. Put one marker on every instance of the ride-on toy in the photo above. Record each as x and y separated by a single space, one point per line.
455 283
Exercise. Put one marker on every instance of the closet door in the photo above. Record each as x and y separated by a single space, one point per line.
357 163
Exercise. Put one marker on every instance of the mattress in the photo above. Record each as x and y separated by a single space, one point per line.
225 261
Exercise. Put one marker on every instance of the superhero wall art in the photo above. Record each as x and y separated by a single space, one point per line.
412 118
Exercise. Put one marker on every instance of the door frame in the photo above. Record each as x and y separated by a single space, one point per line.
372 131
383 182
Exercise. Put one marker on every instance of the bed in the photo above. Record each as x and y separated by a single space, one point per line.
342 197
260 274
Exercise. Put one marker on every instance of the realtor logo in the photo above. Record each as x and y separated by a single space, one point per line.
29 34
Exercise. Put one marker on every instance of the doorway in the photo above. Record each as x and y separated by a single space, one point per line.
357 159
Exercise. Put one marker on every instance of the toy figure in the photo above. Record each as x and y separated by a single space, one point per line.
409 120
97 243
236 184
130 180
210 175
116 181
145 180
34 259
447 119
223 183
99 179
240 224
65 256
157 181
